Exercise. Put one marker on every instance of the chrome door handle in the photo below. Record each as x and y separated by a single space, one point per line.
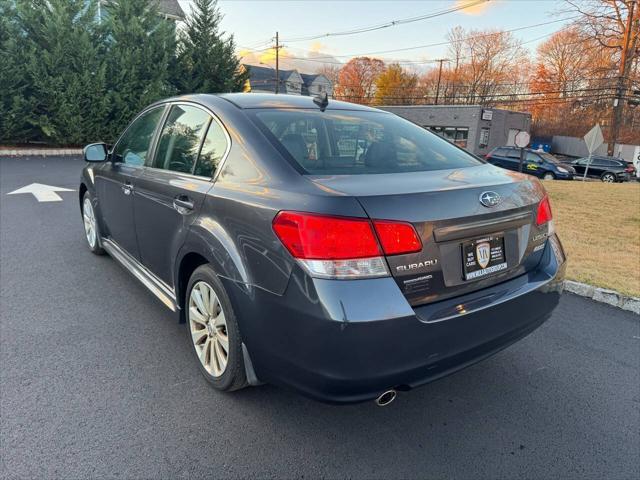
127 188
183 204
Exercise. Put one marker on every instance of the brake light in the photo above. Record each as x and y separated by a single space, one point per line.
544 212
311 236
331 247
397 238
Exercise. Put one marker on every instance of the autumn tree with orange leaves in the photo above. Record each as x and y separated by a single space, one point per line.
357 80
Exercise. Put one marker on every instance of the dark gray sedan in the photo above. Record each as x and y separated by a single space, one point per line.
334 249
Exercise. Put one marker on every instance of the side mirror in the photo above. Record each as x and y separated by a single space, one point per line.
95 152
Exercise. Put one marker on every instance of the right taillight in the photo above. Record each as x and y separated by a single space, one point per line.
397 238
344 247
544 212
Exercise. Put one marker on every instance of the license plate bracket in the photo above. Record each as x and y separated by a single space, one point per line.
483 256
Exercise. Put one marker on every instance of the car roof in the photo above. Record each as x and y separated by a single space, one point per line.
606 157
511 147
246 101
272 100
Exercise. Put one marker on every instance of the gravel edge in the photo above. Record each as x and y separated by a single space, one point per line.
43 152
610 297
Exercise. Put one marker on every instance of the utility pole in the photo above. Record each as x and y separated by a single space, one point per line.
277 63
625 64
439 78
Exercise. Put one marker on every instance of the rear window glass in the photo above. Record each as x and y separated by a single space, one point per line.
351 143
500 152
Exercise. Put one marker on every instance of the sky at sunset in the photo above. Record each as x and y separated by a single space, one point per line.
255 22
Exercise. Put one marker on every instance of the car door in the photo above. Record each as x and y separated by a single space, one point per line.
580 165
533 164
115 180
171 189
598 167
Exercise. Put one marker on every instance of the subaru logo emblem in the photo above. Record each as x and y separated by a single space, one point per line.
490 199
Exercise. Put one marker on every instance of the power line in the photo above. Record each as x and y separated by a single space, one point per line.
596 91
391 23
448 42
424 62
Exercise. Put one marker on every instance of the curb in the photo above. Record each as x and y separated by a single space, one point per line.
602 295
44 152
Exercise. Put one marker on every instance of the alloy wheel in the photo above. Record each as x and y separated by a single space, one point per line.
548 176
608 178
208 328
89 222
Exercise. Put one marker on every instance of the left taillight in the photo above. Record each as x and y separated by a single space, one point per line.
544 214
343 247
331 247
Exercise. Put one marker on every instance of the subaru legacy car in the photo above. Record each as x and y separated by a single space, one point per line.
538 163
330 248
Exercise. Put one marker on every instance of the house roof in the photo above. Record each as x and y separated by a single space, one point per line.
170 7
263 73
309 78
264 78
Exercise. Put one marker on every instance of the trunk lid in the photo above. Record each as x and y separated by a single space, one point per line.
445 208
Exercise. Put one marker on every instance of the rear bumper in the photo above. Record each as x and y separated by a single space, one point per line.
348 341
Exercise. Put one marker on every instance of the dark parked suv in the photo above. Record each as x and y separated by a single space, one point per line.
541 164
334 249
607 169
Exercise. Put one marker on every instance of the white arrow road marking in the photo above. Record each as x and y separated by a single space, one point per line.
43 193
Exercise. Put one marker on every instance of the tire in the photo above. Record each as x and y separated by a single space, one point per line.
548 176
207 337
91 228
608 177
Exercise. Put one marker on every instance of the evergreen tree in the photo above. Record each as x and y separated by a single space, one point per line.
207 62
141 48
13 82
60 48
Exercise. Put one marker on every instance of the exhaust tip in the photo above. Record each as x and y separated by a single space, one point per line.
386 398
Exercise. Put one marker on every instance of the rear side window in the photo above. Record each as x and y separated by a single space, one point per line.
181 138
500 152
352 142
213 149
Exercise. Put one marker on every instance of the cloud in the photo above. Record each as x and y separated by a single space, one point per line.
308 61
477 9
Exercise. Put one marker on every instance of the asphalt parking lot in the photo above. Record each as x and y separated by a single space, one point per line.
97 380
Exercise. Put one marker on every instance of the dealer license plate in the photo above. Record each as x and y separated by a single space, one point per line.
483 256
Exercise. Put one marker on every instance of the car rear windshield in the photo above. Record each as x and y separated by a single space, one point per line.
358 142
